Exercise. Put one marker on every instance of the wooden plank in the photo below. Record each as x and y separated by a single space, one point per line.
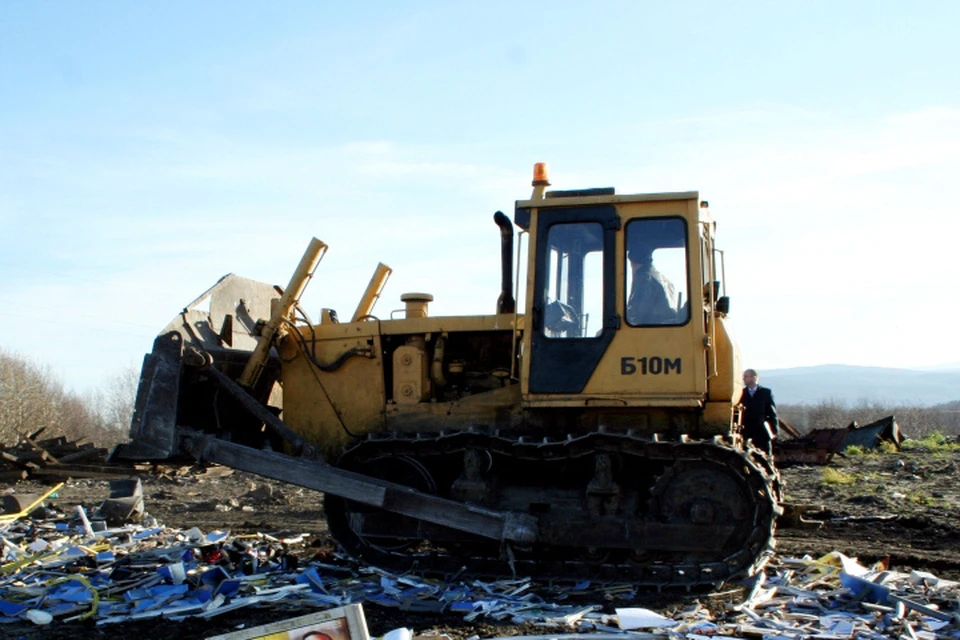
82 455
99 468
25 464
58 472
13 476
70 447
51 443
47 456
41 457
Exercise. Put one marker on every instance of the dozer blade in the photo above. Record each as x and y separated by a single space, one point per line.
153 430
222 323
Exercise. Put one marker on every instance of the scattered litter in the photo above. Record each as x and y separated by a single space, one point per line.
30 507
125 503
399 634
79 564
38 617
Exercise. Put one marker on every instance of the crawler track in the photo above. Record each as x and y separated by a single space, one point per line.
612 506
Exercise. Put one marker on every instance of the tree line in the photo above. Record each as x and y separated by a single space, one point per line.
32 396
915 421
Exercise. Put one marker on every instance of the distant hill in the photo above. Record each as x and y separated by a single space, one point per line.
853 385
952 366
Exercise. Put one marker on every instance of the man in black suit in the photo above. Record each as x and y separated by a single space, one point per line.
760 423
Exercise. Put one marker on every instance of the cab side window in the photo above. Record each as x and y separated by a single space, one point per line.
656 272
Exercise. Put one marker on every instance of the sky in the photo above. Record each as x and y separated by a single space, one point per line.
147 149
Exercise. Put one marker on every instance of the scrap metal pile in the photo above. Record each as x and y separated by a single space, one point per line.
818 446
60 567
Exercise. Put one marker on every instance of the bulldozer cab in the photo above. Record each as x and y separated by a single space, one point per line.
617 299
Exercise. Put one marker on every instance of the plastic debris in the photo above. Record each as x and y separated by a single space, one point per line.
38 617
639 618
399 634
69 566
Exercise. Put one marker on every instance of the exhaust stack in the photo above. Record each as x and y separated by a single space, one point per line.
506 302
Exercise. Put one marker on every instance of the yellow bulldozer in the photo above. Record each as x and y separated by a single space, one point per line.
592 434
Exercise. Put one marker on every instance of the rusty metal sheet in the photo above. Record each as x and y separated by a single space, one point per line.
871 435
816 447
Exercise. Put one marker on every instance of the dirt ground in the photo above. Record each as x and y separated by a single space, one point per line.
902 506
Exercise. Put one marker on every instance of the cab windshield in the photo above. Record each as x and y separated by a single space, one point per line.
573 287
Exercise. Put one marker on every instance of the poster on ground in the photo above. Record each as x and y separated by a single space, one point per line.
342 623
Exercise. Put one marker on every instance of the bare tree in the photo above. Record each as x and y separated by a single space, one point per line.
117 406
31 397
832 414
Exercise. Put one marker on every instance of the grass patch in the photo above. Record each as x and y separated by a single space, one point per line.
888 447
885 447
835 476
920 498
934 442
